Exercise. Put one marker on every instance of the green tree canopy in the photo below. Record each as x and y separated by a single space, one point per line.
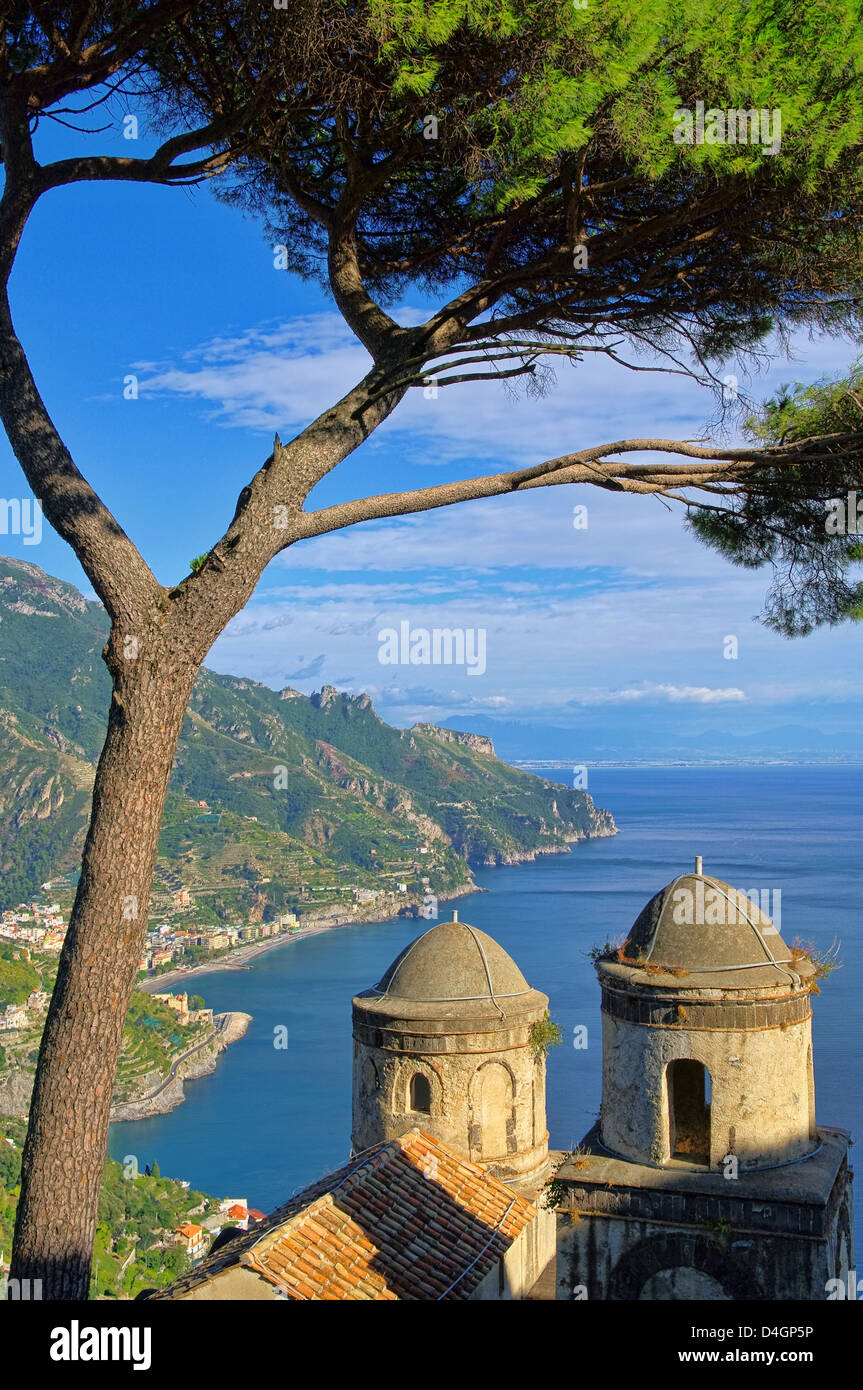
556 128
803 520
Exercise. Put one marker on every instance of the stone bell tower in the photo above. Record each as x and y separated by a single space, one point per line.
444 1042
707 1035
707 1176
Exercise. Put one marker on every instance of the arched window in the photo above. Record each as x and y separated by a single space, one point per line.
689 1111
420 1094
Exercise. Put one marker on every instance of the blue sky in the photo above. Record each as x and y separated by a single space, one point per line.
628 615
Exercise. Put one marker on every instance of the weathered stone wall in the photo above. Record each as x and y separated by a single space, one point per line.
525 1262
648 1243
487 1090
629 1260
762 1093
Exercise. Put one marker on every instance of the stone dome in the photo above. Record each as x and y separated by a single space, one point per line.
444 1040
451 963
704 926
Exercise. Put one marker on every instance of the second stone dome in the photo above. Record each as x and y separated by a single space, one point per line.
705 926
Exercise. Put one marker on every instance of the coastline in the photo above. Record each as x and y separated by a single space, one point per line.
168 1093
238 958
165 1094
547 916
232 1026
200 1060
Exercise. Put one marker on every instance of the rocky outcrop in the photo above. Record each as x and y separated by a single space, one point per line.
428 829
351 782
31 578
334 764
15 1090
478 742
321 699
328 695
44 800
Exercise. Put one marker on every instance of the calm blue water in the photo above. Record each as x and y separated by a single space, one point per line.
267 1122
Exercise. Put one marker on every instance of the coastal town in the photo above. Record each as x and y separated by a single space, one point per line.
175 943
392 825
172 1035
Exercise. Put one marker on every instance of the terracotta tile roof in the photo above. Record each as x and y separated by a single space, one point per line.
189 1230
406 1220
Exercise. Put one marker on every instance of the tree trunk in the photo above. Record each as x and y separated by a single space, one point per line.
64 1154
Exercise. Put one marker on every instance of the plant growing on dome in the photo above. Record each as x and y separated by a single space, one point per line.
825 961
543 1036
608 951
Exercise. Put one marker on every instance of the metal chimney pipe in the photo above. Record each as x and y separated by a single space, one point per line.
698 864
455 914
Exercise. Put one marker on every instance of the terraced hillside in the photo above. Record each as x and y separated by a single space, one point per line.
277 800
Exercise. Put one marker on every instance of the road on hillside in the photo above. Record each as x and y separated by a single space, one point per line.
220 1025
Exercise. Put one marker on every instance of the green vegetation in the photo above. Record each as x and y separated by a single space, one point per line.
543 1036
18 978
151 1039
305 799
825 959
609 950
554 1193
811 546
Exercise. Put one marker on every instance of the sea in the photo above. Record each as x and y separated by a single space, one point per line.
271 1118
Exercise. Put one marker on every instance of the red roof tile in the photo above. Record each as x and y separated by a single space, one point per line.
407 1220
385 1229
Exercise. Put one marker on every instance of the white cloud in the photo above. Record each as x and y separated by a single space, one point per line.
269 378
281 375
631 610
676 694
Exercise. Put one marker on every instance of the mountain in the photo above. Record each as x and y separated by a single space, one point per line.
276 800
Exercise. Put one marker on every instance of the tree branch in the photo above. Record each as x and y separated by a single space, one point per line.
376 330
115 568
43 86
582 467
159 168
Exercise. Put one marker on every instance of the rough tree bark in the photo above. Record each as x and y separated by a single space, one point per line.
64 1154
